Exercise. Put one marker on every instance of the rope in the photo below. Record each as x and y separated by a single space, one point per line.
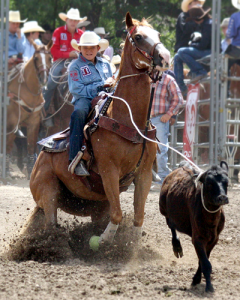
150 140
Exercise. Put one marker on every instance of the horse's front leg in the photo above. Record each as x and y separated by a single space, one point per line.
110 180
142 182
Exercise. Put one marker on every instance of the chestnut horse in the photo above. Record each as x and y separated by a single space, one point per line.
26 100
53 186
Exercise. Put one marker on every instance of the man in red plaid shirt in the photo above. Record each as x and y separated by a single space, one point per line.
167 100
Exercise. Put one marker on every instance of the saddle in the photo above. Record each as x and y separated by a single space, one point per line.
59 142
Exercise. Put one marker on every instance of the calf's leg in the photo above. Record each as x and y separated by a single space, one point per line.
177 247
198 276
205 264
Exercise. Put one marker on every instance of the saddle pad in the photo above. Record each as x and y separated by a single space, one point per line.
51 145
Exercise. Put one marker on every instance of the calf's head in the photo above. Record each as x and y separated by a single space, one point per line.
215 184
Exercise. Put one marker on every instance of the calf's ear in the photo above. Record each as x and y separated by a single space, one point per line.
224 165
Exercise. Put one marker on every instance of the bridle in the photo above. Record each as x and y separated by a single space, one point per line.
41 68
144 53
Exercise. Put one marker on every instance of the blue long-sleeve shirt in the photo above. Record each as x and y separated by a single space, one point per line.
29 48
85 77
233 31
15 45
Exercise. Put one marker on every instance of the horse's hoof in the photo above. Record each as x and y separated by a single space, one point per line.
94 243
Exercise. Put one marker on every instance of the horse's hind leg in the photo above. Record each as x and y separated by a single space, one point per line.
177 247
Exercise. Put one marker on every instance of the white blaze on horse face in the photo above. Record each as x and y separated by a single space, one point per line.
43 56
151 36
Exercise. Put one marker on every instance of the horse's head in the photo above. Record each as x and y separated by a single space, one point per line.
42 61
148 50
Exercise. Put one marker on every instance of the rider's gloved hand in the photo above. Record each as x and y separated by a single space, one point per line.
195 37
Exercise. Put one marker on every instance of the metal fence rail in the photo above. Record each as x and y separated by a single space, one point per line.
4 15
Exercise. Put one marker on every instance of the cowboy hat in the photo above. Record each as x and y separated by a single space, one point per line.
116 59
113 68
225 22
72 14
236 3
32 26
83 24
196 13
14 16
90 38
101 31
185 4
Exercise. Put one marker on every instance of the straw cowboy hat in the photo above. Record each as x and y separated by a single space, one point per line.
197 14
116 59
185 4
236 3
83 24
32 26
101 31
72 14
14 16
90 38
225 23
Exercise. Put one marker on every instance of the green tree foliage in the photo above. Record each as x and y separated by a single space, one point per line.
110 14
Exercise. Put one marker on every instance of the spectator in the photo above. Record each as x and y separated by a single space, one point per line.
185 29
166 102
200 46
116 60
31 30
46 36
16 38
103 35
62 50
83 25
225 42
233 31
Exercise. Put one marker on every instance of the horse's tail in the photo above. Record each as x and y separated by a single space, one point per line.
34 222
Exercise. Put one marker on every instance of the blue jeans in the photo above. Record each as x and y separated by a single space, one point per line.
188 55
51 85
162 135
82 108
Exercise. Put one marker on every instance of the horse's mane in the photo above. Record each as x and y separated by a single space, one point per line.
143 22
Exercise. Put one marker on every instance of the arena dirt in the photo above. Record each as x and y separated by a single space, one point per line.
60 265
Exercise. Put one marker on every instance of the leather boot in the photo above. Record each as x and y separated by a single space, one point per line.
81 170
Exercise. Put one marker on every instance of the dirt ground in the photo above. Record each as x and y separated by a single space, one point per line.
118 271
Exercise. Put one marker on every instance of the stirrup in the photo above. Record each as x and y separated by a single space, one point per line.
81 170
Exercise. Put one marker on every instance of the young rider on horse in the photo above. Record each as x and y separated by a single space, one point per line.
87 76
62 50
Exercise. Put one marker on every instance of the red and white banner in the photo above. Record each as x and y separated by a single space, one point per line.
190 120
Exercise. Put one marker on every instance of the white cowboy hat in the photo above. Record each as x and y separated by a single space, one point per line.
113 68
236 3
72 14
90 38
116 59
83 24
225 22
100 30
32 26
185 4
14 16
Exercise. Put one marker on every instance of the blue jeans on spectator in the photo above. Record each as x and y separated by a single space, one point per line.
188 55
82 108
51 85
162 135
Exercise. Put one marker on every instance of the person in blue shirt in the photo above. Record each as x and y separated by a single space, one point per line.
87 76
225 42
16 38
31 29
233 31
